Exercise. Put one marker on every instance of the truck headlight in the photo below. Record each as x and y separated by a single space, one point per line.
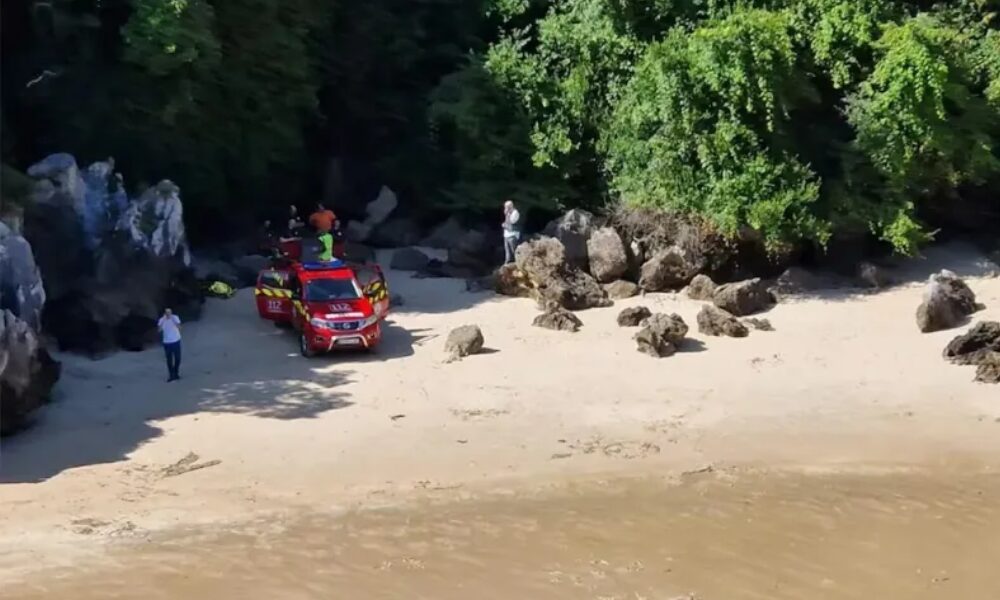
320 323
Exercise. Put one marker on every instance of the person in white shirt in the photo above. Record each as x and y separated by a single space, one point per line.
511 231
170 332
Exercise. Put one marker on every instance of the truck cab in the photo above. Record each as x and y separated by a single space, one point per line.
330 305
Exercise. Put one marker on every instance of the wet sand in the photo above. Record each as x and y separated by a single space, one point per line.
914 535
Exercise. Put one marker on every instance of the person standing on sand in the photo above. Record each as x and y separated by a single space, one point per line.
511 231
170 332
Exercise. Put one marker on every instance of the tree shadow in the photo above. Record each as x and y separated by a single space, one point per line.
105 410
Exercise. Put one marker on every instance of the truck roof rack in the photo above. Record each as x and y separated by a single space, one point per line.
324 265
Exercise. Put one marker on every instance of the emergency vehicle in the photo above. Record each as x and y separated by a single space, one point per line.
331 305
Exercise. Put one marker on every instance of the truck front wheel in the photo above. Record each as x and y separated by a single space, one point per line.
304 347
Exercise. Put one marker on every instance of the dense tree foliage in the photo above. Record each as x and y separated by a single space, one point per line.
794 118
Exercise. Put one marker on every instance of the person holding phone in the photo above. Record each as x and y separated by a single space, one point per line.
170 333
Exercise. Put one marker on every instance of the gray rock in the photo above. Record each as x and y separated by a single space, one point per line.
559 319
743 297
248 268
552 278
714 321
606 254
661 335
446 235
464 341
666 270
408 259
974 346
155 222
621 289
379 209
988 370
759 324
947 301
573 229
701 288
27 372
397 232
873 276
21 288
356 231
633 316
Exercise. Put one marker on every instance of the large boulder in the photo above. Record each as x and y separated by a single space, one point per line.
988 370
947 301
27 372
573 230
607 256
553 279
974 346
558 318
743 297
464 341
509 280
209 268
701 288
379 209
714 321
408 259
445 235
110 263
21 289
621 289
661 335
248 267
397 232
633 316
667 269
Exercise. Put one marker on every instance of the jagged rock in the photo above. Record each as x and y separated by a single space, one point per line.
214 269
379 209
743 297
873 276
445 235
397 232
947 301
21 288
633 316
512 281
558 318
464 341
701 288
661 335
714 321
27 373
553 279
666 270
759 324
606 254
408 259
972 347
573 229
155 222
621 289
988 370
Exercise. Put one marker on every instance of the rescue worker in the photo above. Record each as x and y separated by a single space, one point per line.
326 238
323 219
295 224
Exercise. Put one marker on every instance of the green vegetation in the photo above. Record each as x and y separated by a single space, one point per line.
796 118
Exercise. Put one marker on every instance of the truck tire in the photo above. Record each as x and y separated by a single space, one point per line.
304 348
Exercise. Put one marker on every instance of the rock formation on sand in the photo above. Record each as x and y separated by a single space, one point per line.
714 321
376 212
701 288
759 324
633 316
621 289
553 279
573 230
110 264
668 269
27 372
558 318
21 289
661 335
980 346
606 253
947 301
743 297
464 341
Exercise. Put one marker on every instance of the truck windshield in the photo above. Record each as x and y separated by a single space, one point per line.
322 290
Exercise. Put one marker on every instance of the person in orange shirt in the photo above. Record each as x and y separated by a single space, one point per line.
323 219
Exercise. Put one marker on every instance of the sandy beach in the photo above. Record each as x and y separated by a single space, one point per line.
845 384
